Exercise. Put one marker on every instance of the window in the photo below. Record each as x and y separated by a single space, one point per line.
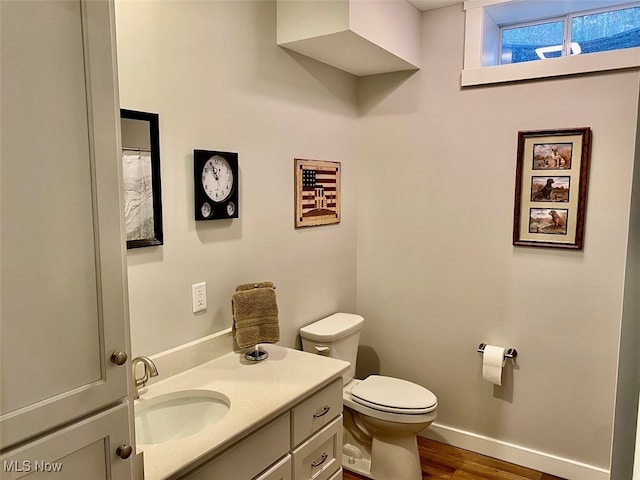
613 30
573 34
531 42
507 40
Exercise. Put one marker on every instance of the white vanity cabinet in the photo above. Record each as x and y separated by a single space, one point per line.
303 443
316 434
63 293
74 452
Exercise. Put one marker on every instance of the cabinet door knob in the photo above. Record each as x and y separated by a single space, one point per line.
124 451
119 358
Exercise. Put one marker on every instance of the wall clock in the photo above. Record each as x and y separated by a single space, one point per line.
215 184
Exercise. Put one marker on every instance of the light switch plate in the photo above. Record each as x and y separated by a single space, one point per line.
199 296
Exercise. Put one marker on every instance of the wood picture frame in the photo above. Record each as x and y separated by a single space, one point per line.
141 178
317 192
551 188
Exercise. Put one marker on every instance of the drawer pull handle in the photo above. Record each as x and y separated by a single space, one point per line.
322 412
323 459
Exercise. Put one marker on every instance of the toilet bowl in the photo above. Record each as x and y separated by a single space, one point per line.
389 413
382 415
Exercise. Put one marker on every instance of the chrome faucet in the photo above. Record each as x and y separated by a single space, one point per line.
150 370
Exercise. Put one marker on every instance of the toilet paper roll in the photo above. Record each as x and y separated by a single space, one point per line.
492 363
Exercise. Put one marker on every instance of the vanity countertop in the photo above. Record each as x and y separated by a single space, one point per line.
258 392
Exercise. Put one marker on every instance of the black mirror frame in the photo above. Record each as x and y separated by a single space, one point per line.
154 142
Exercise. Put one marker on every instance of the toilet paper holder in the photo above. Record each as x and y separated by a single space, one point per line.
510 353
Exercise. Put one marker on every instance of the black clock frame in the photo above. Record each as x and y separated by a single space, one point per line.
219 210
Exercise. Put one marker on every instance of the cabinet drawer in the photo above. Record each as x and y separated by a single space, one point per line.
321 456
337 475
316 412
251 456
280 471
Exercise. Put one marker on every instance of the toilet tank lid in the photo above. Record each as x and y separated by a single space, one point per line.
333 327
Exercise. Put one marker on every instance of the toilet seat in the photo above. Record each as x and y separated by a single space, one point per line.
393 395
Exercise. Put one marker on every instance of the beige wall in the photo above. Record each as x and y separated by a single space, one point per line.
214 74
437 273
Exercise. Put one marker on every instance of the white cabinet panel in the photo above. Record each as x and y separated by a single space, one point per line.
337 475
63 293
85 450
47 205
251 456
317 411
280 471
321 456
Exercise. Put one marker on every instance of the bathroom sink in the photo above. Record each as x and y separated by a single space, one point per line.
178 415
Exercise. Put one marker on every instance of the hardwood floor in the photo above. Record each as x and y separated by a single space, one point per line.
441 461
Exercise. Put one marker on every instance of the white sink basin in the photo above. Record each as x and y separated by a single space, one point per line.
178 415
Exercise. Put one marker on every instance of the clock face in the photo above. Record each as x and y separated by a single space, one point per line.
217 179
215 184
205 210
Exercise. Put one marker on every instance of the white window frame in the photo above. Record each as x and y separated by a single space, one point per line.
482 27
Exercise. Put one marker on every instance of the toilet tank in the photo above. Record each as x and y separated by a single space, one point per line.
336 336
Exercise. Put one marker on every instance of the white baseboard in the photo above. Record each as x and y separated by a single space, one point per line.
508 452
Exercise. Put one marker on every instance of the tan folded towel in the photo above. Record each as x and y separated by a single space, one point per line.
255 315
251 286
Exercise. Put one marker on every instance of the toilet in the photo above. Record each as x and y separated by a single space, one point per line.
382 415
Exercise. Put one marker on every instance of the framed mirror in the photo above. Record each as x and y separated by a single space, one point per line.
141 177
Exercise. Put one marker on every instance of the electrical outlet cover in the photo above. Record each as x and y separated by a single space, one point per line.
199 296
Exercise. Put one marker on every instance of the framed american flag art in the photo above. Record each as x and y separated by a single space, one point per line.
317 192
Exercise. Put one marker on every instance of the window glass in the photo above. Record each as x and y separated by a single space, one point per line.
532 42
604 31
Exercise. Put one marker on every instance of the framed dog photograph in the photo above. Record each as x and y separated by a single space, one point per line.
551 188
